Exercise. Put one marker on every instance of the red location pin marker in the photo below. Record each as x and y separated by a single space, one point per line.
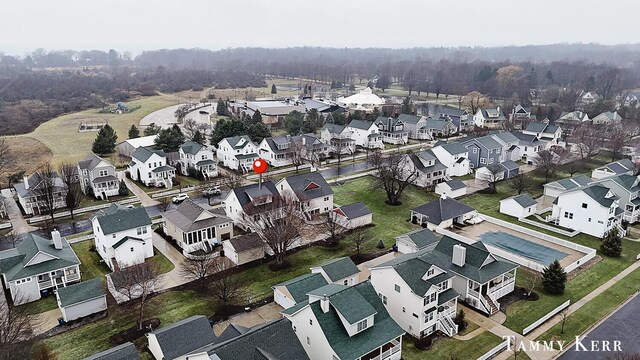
260 166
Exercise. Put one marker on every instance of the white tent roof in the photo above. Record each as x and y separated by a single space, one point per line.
363 97
141 141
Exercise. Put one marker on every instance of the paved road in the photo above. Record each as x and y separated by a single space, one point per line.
165 118
346 169
622 326
154 210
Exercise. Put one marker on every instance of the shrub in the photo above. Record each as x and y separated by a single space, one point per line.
380 244
612 243
554 278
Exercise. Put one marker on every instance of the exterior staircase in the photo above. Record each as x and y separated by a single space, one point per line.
447 326
492 306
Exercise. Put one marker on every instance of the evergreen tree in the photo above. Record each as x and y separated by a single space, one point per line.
221 107
339 118
384 81
169 140
152 129
122 191
294 122
258 131
256 118
407 106
352 87
554 278
134 132
199 138
375 114
227 128
274 89
612 243
105 142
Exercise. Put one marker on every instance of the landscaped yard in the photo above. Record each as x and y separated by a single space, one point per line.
450 348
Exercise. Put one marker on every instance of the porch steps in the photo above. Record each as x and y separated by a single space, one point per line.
492 306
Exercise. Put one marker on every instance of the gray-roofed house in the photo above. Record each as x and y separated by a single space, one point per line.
520 117
624 166
354 215
627 188
555 188
415 125
454 156
420 289
392 130
126 351
509 143
340 271
459 117
195 228
38 265
339 138
569 120
443 213
492 118
416 240
483 151
122 235
519 206
529 145
365 134
545 132
311 190
149 166
32 193
181 338
237 153
82 299
280 150
294 291
250 198
607 118
342 322
199 157
437 128
451 188
98 177
429 170
244 248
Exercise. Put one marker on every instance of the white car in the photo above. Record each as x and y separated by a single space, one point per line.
179 198
212 191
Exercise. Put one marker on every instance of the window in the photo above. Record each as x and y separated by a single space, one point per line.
428 317
362 325
475 150
326 198
584 205
430 272
609 223
346 282
141 230
589 219
132 249
397 287
114 236
404 309
149 165
570 215
308 341
443 285
103 173
311 322
490 161
483 161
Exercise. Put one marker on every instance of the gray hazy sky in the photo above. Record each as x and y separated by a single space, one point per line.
137 25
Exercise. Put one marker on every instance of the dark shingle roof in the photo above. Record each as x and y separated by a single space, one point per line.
242 193
351 305
117 218
80 292
338 269
455 148
456 184
626 181
191 147
246 242
300 286
620 166
126 351
360 124
185 336
599 193
426 155
524 200
536 127
409 119
90 162
440 210
510 165
309 186
571 183
421 238
333 128
234 141
186 215
144 153
354 210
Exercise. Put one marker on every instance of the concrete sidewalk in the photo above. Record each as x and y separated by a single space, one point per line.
145 199
174 277
20 225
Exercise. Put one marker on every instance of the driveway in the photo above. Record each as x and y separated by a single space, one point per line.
174 277
257 316
20 225
145 199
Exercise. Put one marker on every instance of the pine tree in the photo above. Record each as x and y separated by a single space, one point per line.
152 129
105 142
256 118
123 190
612 243
554 278
221 108
274 89
169 140
407 106
198 138
134 132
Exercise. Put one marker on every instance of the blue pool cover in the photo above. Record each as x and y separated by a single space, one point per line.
525 248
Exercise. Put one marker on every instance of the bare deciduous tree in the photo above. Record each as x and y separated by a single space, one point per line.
164 203
227 287
11 238
200 267
546 163
5 157
520 183
73 191
496 173
232 180
563 315
534 280
618 137
392 174
297 154
359 238
189 127
475 101
334 226
46 189
137 282
587 140
15 332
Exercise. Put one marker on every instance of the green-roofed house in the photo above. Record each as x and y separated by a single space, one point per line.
416 240
82 299
38 265
199 157
294 291
555 188
519 206
420 289
338 271
346 322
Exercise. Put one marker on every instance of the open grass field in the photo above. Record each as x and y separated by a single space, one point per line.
33 154
451 348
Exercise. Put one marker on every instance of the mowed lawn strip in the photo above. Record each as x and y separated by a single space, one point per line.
450 348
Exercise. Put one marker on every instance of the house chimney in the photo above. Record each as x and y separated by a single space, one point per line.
56 239
459 255
26 182
324 303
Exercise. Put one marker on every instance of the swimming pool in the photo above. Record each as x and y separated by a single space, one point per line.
525 248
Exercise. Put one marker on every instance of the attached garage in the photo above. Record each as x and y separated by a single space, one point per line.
82 299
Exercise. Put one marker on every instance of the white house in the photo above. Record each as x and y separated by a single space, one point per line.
365 134
529 146
589 97
294 291
591 210
339 139
443 213
519 206
82 299
311 190
451 188
244 248
555 188
122 235
237 153
199 157
353 215
430 171
98 177
393 130
33 193
361 327
624 166
149 166
551 134
181 338
280 150
250 198
492 118
455 157
38 265
416 240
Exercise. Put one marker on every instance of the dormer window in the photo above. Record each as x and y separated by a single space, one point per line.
362 325
430 272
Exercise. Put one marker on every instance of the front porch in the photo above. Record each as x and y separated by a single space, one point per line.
395 138
484 297
390 350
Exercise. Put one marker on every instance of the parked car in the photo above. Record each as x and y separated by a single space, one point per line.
212 191
179 198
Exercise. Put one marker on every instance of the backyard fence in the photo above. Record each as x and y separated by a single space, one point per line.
79 239
496 350
549 227
552 313
60 214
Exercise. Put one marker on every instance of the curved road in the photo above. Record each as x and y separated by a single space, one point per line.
165 118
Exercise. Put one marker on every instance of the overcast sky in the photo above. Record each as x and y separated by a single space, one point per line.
137 25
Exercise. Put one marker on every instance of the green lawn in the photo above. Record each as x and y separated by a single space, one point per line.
450 348
595 310
471 326
90 261
164 265
40 306
389 221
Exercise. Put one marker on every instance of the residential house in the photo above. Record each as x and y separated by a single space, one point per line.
519 206
624 166
338 271
38 265
520 117
509 143
273 111
416 240
149 166
482 151
199 157
492 118
310 190
346 322
244 248
555 188
194 228
279 150
442 213
127 147
353 215
415 125
338 138
550 134
82 299
98 177
572 119
177 340
454 156
126 351
237 153
438 127
249 200
592 210
451 188
459 117
33 193
365 134
122 235
589 97
626 188
392 130
607 118
632 99
430 171
529 146
294 291
365 100
420 289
